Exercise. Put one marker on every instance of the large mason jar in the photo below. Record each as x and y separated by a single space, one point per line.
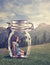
19 41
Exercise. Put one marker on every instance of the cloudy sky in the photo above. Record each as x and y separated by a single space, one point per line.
35 11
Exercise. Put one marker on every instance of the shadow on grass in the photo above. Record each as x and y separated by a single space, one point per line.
8 57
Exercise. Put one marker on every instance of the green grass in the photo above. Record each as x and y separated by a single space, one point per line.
40 55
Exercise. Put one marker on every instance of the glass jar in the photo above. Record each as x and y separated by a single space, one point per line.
19 41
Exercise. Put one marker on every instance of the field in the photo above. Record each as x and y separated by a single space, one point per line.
40 55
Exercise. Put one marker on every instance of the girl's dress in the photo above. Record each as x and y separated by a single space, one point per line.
16 49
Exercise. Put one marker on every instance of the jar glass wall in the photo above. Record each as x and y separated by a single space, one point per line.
19 41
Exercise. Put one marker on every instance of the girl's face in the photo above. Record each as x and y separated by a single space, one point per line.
17 39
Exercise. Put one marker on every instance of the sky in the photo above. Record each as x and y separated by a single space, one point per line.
35 11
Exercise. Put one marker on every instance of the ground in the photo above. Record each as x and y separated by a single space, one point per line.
40 55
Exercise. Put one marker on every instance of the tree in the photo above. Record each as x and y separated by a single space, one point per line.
38 42
48 41
44 37
35 40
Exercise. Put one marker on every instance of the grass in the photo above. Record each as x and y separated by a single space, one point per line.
40 55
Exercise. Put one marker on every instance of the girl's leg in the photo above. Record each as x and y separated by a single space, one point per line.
22 52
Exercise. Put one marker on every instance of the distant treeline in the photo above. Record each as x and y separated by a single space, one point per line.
37 37
42 40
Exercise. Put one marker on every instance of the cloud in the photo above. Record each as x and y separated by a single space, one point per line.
42 14
15 9
37 11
